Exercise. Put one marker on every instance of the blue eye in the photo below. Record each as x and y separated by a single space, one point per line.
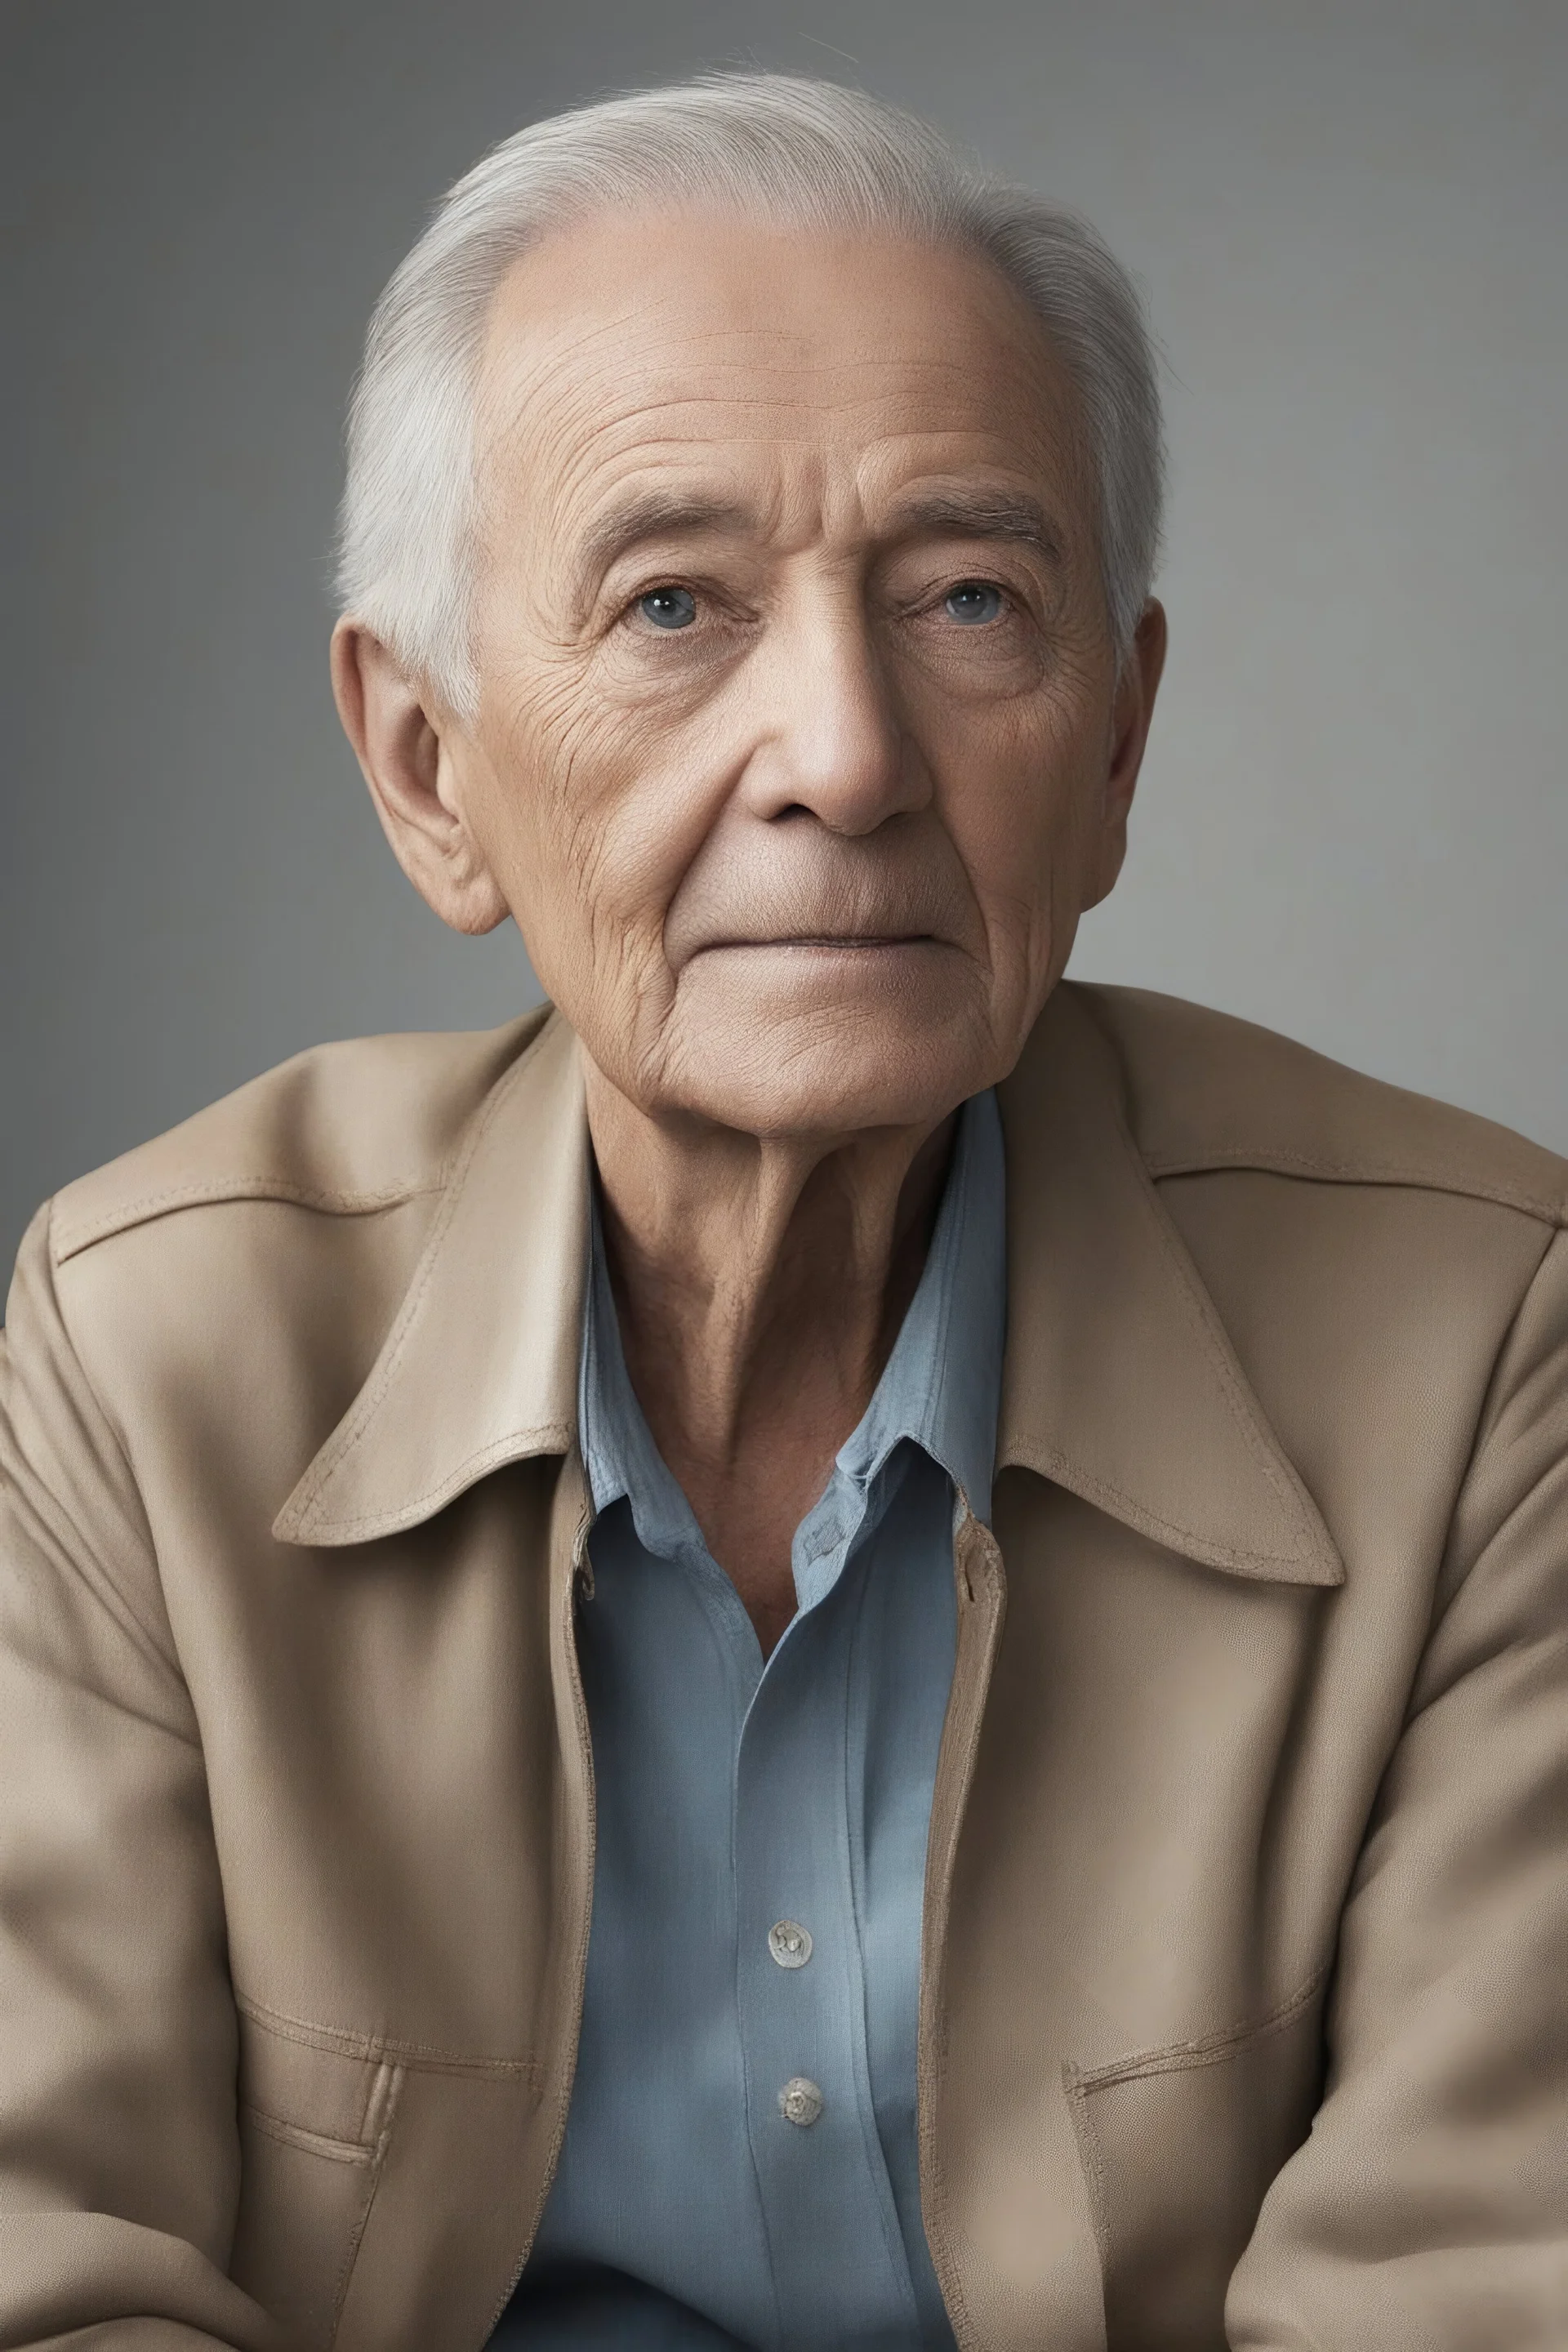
974 601
668 608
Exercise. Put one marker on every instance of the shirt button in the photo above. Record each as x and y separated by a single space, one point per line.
800 2100
789 1943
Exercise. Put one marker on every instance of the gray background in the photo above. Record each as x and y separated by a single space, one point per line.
1351 224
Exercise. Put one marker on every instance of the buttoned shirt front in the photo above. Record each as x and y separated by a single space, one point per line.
740 2162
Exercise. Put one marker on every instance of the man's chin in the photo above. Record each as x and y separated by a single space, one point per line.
821 1074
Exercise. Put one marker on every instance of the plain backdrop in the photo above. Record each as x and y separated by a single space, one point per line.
1351 220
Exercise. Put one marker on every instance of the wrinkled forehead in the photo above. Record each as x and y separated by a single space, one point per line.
717 349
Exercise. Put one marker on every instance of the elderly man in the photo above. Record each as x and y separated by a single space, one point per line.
838 1647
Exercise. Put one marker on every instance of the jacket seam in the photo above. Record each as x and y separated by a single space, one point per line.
168 1655
1479 1437
350 1199
378 2159
1206 2050
1394 1174
970 1536
1082 2084
1092 996
1091 2157
70 1241
325 2145
419 2057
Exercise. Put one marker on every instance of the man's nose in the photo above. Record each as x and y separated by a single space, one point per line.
831 738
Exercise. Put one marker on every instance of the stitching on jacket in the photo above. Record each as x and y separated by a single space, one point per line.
382 2091
1093 998
1050 1463
71 1240
518 1445
331 1459
422 2057
1207 2050
946 2227
350 1203
1091 2156
388 2081
1212 1335
1359 1171
167 1656
1481 1435
336 2151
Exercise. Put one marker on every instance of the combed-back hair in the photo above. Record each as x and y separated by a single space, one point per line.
775 147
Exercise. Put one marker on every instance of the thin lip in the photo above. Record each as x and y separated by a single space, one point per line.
859 941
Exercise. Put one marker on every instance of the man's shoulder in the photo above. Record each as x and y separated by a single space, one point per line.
1206 1091
344 1129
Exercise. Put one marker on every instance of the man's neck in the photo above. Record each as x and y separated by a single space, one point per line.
760 1283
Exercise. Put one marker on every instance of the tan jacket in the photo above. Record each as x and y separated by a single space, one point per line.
1244 2006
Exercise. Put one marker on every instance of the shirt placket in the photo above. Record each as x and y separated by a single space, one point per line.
838 2260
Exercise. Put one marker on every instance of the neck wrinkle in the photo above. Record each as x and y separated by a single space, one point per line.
749 1272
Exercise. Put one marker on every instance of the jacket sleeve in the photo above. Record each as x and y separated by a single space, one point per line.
119 2142
1428 2210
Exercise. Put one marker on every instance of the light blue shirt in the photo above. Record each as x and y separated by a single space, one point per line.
739 1802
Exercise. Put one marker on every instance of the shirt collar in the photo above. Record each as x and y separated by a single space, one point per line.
618 1452
940 1386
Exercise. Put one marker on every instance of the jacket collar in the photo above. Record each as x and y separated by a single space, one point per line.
1119 1383
479 1368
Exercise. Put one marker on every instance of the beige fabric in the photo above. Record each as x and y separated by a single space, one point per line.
1252 1812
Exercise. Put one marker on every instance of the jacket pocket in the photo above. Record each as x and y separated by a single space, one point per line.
1180 2146
316 2111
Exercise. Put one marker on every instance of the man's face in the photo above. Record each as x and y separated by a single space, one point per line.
799 748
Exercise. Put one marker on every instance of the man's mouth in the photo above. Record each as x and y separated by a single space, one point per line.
861 940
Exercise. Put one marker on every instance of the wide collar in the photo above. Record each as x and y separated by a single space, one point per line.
479 1368
1118 1381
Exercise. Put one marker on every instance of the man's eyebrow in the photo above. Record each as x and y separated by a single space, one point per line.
654 514
1010 515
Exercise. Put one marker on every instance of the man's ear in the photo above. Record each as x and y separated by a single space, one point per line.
1132 710
406 750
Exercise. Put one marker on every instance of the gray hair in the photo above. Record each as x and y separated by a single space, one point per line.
775 146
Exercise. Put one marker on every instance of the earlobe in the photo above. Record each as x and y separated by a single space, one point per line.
1135 693
406 752
1110 853
1132 710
